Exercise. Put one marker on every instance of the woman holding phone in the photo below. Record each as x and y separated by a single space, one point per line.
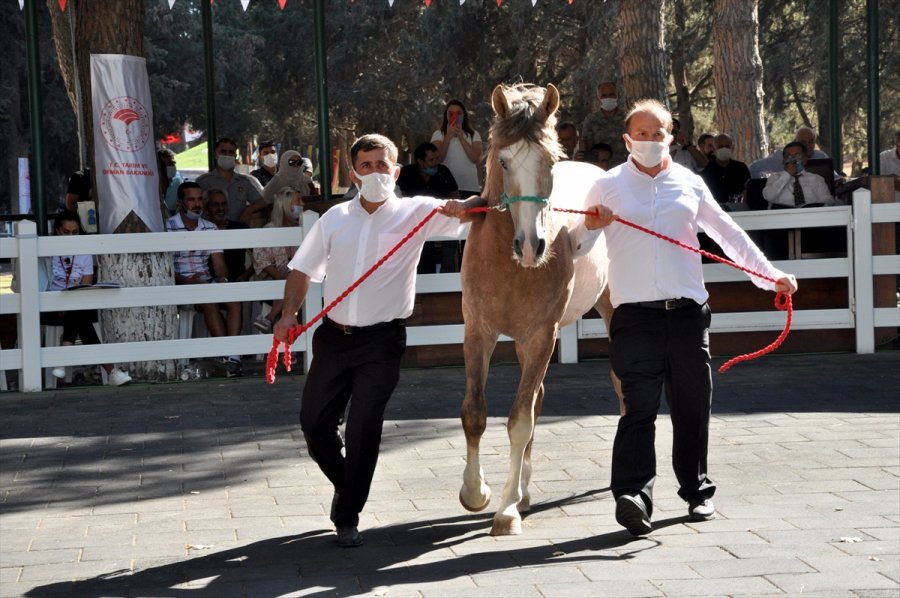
459 147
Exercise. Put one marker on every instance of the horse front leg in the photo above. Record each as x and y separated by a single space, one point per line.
533 358
475 494
525 502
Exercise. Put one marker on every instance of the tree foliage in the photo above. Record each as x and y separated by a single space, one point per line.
392 69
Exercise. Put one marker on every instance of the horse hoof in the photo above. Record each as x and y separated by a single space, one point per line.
505 525
478 506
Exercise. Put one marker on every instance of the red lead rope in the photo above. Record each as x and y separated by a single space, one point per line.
782 300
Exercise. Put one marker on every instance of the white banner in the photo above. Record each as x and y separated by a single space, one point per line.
124 149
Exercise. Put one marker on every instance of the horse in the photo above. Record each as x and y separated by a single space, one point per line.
520 278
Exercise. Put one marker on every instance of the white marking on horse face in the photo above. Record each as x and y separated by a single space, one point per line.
526 173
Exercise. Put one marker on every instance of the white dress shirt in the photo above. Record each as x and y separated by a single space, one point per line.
675 203
779 189
347 241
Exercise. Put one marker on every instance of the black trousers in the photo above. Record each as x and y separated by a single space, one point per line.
650 348
361 369
76 324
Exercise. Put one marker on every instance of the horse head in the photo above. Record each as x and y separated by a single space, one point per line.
523 149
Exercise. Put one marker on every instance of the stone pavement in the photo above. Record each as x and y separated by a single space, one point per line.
204 489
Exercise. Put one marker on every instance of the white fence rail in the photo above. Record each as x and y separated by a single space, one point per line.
859 268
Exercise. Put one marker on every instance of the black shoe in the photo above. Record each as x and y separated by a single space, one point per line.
349 537
701 510
632 515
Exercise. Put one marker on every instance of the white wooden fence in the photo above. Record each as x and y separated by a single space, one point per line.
26 247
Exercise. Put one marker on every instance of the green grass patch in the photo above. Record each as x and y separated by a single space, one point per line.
193 159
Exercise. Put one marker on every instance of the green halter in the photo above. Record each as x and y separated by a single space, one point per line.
506 201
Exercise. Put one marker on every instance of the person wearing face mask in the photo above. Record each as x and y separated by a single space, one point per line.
605 125
360 343
794 186
459 147
193 266
71 271
659 333
290 174
169 179
725 177
244 191
429 177
270 263
267 161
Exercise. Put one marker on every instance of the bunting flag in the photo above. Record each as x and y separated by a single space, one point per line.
124 152
171 4
281 3
21 5
62 5
245 4
427 3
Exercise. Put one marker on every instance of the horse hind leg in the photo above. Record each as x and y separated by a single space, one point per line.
605 308
520 428
475 494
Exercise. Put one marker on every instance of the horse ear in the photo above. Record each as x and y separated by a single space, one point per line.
499 102
551 100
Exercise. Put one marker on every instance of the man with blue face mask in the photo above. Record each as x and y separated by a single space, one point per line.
358 347
659 333
244 191
795 187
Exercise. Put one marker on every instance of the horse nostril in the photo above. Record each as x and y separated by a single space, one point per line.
517 246
542 244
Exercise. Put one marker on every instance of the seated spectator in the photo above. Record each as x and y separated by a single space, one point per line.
267 160
244 191
192 267
889 164
216 203
290 174
270 263
70 271
607 124
808 136
307 166
684 152
726 178
794 187
568 139
706 143
429 177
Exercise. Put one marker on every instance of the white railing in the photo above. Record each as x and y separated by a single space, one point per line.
859 268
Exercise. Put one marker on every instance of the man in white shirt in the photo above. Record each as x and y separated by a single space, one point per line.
659 333
889 164
359 346
795 187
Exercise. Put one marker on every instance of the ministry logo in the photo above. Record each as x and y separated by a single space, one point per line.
125 124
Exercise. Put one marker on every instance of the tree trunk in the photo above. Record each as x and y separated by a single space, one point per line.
738 76
679 75
103 27
642 50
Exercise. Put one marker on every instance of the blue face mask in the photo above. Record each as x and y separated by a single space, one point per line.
431 171
461 119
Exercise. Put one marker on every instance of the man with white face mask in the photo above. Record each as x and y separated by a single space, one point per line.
267 159
726 178
357 349
659 333
244 191
605 125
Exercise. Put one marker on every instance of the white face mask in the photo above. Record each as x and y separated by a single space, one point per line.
648 153
609 104
270 160
225 162
296 211
376 187
171 171
723 154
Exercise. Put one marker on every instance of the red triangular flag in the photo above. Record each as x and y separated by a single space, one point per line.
281 3
427 3
499 2
62 5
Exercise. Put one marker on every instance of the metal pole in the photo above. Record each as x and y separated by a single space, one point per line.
210 82
872 65
834 100
322 100
36 113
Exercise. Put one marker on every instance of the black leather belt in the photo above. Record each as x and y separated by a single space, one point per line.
666 304
359 329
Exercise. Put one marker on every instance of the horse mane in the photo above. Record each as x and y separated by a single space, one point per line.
526 119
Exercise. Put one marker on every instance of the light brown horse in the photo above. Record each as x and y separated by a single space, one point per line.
520 278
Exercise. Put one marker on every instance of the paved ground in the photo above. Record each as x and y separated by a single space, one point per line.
204 489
